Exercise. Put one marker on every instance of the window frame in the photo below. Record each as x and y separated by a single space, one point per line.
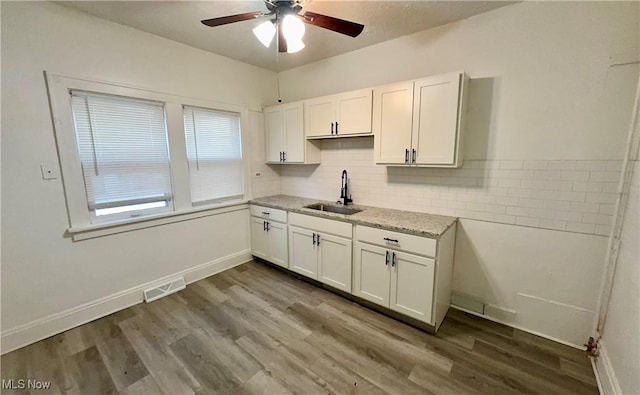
80 217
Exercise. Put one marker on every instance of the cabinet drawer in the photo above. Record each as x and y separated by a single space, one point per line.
269 213
397 241
317 224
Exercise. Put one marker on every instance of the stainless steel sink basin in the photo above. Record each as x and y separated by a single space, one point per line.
333 209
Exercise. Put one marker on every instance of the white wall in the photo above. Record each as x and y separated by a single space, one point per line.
549 106
44 273
621 337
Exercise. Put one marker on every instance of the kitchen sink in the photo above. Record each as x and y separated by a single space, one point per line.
333 209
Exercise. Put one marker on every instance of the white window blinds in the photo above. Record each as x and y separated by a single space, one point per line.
124 154
214 152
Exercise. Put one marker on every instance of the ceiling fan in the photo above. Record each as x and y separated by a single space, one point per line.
288 23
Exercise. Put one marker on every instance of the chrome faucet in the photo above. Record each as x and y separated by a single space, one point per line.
344 189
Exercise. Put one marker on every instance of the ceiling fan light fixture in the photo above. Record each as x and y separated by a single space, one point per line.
294 45
292 28
265 32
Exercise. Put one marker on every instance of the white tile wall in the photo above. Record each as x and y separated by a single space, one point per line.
569 195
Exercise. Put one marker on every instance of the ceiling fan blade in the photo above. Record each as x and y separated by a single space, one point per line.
282 43
223 20
335 24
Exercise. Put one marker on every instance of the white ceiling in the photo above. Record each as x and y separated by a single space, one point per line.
180 21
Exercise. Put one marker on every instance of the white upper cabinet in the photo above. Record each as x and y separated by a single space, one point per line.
320 116
392 122
274 133
347 113
419 123
284 135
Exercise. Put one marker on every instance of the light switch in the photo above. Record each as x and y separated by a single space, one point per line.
49 171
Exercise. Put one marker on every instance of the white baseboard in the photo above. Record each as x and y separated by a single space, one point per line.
45 327
605 375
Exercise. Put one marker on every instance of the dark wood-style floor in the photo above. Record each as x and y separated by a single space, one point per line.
254 329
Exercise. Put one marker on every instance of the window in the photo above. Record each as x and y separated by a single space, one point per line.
133 158
122 146
214 154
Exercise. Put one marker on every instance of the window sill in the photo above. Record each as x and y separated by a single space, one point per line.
105 229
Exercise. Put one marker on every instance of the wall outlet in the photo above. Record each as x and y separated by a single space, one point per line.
49 171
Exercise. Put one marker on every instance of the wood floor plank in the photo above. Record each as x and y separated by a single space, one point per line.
547 380
205 365
580 371
145 386
89 373
262 383
256 330
120 358
285 367
345 380
524 349
438 382
170 374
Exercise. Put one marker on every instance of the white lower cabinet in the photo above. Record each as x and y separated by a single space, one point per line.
398 280
334 261
405 273
412 283
321 249
303 253
269 237
372 275
321 256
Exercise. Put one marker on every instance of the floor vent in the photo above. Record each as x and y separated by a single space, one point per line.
165 289
467 302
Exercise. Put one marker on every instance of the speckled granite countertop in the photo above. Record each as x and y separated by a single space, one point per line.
421 224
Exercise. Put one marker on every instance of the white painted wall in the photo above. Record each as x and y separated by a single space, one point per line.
43 272
621 337
549 104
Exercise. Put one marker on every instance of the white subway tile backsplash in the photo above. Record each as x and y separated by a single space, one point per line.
536 164
511 164
574 196
598 197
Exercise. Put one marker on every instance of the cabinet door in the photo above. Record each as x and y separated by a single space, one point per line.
353 112
303 254
435 119
274 139
392 121
335 261
259 244
278 249
372 274
293 132
319 114
412 282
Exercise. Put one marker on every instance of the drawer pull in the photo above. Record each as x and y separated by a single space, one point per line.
266 213
393 240
386 261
